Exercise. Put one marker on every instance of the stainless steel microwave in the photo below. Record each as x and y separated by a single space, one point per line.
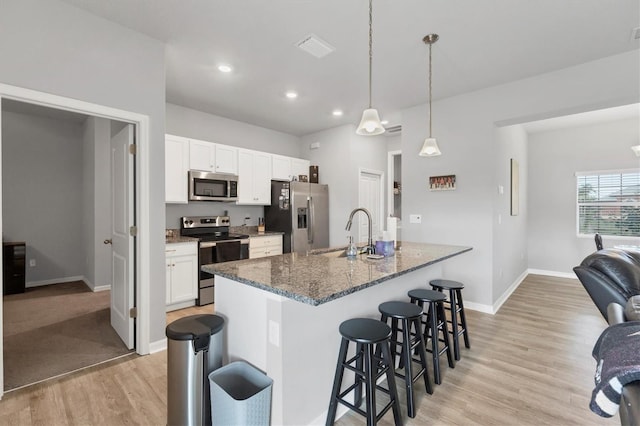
206 186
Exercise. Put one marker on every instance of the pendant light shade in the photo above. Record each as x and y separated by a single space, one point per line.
430 148
370 124
430 145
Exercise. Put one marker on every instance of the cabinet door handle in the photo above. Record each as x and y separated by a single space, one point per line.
109 241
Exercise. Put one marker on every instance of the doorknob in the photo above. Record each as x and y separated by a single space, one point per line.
107 241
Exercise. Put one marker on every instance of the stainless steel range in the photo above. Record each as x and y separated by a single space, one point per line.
216 245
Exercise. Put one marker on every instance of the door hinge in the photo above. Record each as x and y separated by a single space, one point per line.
133 312
133 150
133 231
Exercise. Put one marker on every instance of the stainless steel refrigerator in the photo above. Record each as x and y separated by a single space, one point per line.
301 211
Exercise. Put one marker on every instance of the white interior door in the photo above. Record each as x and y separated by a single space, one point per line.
370 195
122 284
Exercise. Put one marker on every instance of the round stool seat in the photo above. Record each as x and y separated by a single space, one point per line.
400 310
425 295
365 330
447 284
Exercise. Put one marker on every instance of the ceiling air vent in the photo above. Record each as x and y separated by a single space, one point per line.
314 45
394 129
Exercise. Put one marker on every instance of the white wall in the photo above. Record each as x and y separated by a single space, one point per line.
340 156
42 193
190 123
510 233
56 48
554 157
465 128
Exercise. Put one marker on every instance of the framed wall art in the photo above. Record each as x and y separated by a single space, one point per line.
515 188
442 183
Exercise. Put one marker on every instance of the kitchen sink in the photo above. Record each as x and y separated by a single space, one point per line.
335 253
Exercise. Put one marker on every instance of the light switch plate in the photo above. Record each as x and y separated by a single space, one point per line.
415 218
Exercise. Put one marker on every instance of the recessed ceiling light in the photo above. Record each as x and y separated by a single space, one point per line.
291 94
224 68
337 112
384 122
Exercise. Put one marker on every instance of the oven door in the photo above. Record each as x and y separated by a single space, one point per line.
220 251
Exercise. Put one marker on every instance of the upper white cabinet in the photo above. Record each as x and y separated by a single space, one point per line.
288 168
202 155
300 167
176 168
226 159
254 177
213 157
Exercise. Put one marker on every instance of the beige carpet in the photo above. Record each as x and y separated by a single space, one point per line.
55 329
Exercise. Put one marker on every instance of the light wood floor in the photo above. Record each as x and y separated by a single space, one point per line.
530 364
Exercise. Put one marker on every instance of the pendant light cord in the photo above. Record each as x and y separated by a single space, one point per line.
370 46
430 89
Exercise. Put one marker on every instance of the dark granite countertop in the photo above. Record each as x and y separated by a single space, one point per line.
319 278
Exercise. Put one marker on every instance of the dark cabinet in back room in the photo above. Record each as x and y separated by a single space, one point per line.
13 263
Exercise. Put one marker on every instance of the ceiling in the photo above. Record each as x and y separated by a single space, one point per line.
482 44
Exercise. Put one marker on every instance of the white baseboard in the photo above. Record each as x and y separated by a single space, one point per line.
157 346
553 273
498 303
480 307
54 281
102 288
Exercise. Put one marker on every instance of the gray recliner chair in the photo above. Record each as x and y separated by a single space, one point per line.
610 276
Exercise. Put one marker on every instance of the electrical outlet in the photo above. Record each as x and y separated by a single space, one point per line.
415 218
32 263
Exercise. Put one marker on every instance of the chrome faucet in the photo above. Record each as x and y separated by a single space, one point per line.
370 248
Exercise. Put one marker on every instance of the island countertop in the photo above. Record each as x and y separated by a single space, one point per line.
319 278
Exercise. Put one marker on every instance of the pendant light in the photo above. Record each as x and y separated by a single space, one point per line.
370 124
430 146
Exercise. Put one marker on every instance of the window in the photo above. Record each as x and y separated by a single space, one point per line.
609 203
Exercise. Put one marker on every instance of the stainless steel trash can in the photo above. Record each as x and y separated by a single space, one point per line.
194 350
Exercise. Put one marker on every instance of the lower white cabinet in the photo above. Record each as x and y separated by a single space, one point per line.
182 274
263 246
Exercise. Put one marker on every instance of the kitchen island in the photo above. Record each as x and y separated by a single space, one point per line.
283 312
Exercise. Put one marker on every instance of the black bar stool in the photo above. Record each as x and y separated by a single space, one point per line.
371 338
408 314
434 320
456 307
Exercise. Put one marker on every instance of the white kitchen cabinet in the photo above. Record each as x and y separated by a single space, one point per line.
213 157
288 168
254 177
202 155
176 169
300 167
281 167
226 159
182 274
263 246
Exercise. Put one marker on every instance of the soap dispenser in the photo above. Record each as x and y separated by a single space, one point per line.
352 250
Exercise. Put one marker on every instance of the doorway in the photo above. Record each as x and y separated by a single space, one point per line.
62 320
140 264
370 190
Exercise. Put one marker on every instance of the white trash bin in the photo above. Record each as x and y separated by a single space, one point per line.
240 395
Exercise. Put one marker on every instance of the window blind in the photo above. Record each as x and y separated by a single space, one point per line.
609 203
